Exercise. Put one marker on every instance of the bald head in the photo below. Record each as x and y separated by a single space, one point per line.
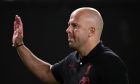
84 30
92 16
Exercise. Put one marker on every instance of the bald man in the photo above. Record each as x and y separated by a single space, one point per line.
91 62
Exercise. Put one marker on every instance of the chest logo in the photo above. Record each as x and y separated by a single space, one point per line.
85 79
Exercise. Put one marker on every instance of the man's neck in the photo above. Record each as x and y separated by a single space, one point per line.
85 50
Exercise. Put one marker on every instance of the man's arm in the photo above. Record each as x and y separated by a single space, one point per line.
40 68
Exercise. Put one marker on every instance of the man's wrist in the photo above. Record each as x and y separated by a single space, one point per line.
16 46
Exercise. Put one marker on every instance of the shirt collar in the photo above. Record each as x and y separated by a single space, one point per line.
95 52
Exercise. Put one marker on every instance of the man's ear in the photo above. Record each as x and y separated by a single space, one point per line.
91 31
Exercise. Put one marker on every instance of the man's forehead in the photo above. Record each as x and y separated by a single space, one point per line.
76 16
79 16
82 14
72 20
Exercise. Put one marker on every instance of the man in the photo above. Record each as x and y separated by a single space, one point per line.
91 63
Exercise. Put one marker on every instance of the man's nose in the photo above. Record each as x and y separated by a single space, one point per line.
68 29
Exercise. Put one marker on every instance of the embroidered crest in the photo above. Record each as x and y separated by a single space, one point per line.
85 79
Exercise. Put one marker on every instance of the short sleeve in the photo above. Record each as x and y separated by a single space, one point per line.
57 70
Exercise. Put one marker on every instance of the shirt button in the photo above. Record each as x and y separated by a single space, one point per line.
81 63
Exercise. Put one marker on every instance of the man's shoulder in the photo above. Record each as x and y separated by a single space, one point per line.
101 51
110 58
72 53
109 55
72 56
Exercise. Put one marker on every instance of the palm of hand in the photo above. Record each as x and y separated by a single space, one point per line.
18 32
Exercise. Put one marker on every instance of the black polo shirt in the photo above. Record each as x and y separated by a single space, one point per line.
100 66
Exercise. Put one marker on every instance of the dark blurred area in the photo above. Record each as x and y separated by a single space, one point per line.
45 22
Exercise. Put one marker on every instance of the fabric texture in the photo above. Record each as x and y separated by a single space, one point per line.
100 66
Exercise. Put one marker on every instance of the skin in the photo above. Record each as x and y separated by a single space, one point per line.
84 31
40 68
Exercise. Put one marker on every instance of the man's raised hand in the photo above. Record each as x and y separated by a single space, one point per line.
18 32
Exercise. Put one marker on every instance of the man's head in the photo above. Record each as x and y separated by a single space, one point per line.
85 27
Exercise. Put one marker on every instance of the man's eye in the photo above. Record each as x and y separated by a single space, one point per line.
74 25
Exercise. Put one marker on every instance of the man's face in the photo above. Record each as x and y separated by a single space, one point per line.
77 31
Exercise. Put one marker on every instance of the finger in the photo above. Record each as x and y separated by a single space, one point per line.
20 32
18 22
14 25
